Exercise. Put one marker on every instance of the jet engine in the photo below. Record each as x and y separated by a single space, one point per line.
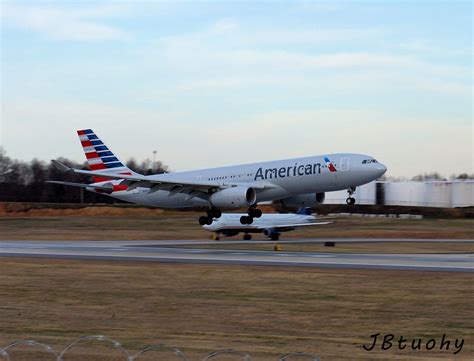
304 200
234 197
267 232
271 233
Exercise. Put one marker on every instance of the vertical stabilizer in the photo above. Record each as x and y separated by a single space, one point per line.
99 156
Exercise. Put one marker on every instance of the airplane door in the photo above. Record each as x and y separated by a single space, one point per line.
344 164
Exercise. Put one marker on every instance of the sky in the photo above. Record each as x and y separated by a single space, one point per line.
213 83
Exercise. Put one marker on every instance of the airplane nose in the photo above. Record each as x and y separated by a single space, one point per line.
380 169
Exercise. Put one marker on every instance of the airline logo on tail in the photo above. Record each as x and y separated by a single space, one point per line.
99 157
331 166
97 154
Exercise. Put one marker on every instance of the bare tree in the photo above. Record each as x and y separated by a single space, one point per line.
428 177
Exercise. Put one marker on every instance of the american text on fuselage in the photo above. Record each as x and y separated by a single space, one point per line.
296 183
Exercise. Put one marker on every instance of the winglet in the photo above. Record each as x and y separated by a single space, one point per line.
60 166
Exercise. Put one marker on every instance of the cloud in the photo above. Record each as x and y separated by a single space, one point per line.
407 145
232 34
65 23
346 83
224 25
223 83
216 49
356 71
228 54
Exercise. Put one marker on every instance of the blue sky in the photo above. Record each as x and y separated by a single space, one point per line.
217 83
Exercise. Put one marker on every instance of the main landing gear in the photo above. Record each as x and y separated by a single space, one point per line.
252 213
351 200
211 213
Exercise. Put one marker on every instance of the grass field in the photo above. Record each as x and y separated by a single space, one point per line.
183 225
265 311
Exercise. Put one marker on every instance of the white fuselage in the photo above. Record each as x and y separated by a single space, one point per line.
287 178
231 221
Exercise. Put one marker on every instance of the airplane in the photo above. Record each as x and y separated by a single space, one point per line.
297 182
271 225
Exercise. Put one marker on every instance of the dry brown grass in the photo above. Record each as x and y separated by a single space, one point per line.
183 225
266 311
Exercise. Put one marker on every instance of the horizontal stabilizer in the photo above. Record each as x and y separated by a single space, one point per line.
107 188
60 166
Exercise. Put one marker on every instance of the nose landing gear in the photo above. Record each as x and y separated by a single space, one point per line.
351 200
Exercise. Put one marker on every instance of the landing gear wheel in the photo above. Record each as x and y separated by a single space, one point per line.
247 237
205 220
275 237
351 200
254 212
214 213
246 220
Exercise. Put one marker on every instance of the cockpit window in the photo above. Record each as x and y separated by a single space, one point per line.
368 161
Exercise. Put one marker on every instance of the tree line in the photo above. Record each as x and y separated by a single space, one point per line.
22 181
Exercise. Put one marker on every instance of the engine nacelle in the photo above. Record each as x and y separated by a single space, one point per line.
234 197
304 200
267 232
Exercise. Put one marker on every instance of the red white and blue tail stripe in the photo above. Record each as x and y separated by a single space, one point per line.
99 156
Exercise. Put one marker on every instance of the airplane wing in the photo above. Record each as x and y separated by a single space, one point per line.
174 186
294 225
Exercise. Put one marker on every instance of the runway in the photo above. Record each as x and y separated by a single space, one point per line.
175 251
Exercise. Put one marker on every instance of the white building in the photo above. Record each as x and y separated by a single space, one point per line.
424 194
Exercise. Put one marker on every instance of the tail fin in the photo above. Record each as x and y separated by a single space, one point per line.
99 156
